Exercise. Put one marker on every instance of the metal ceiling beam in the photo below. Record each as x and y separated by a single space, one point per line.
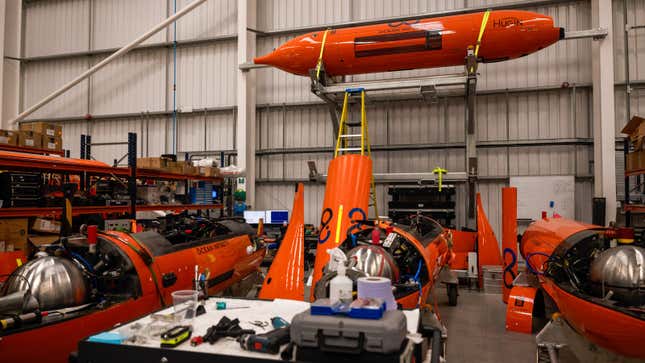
503 6
153 46
436 146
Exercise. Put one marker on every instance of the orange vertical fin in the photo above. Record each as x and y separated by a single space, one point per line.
285 278
348 185
487 246
509 239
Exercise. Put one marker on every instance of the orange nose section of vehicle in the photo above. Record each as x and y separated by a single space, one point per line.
296 56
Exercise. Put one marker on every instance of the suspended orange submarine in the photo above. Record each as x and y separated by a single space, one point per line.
424 43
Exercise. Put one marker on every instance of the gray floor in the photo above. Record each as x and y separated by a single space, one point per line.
476 331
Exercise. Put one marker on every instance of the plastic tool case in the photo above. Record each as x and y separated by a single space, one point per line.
341 334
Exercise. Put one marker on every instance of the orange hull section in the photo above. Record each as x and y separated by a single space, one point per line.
487 246
544 235
285 278
519 311
425 43
509 239
348 185
607 328
435 255
226 258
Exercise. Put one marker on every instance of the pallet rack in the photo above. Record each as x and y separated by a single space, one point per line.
629 207
86 168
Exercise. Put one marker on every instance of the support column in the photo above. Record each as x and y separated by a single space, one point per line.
10 40
245 128
604 124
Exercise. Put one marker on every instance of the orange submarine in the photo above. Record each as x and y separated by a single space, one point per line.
50 303
424 43
598 288
414 254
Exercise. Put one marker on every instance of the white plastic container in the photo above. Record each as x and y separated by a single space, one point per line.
340 287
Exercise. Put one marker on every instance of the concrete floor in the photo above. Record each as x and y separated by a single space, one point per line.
476 331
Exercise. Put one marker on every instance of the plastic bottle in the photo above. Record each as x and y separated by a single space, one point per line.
341 286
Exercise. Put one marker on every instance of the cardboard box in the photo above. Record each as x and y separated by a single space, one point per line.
8 137
46 226
190 170
152 163
51 130
208 171
52 143
635 129
13 231
30 139
635 161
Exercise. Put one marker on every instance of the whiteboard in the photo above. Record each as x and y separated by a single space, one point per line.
534 194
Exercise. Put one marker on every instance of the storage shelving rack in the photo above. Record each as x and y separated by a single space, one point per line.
19 161
629 207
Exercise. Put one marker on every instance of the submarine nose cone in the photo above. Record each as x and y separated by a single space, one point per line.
268 59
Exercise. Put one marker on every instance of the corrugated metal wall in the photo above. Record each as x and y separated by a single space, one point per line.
526 100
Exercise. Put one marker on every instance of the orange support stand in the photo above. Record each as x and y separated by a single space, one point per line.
487 246
509 239
348 184
285 278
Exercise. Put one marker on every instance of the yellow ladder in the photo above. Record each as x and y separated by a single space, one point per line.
347 143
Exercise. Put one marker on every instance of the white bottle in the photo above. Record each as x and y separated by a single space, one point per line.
340 287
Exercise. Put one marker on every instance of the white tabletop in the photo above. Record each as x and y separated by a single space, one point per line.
257 310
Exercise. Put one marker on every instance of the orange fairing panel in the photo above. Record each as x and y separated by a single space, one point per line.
509 239
424 43
519 311
348 185
487 246
285 278
462 243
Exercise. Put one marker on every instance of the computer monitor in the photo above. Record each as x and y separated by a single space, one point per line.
277 216
253 216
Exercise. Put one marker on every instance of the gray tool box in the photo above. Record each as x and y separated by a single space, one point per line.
341 334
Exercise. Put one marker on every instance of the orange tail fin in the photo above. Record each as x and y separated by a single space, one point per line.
285 278
509 239
487 246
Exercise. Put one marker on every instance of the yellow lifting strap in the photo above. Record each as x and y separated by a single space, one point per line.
481 31
320 57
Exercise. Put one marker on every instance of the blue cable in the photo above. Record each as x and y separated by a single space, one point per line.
416 278
416 275
528 262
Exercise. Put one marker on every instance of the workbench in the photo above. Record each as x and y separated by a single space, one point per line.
224 350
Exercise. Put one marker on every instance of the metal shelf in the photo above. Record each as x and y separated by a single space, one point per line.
638 208
159 174
21 212
30 150
57 211
178 207
20 161
634 172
